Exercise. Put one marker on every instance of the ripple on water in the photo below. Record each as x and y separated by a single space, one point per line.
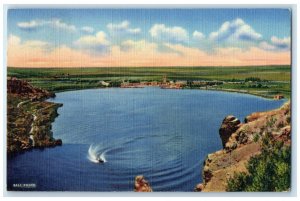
163 134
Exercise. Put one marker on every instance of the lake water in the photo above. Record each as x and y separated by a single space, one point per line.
164 135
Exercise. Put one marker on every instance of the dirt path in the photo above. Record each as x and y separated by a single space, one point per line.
21 103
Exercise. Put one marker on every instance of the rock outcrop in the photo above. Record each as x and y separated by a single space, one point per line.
29 117
229 125
141 184
199 188
240 143
26 90
58 142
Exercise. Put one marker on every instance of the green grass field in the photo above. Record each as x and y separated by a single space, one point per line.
274 79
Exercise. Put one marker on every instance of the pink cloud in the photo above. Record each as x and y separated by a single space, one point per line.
136 53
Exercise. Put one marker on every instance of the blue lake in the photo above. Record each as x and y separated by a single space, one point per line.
164 135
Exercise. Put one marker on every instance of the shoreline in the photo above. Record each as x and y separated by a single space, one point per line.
241 142
269 97
38 119
242 92
52 114
29 117
268 80
38 134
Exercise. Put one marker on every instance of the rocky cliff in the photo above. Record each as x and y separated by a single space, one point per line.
240 144
29 117
23 89
141 184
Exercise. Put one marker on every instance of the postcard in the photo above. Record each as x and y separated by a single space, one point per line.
149 99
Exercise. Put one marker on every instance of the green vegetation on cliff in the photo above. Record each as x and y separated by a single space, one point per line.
267 172
256 154
29 117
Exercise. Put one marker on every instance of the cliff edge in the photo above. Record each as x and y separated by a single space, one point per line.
240 144
29 117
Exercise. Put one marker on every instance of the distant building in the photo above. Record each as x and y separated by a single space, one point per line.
181 82
154 83
131 85
164 79
103 83
278 97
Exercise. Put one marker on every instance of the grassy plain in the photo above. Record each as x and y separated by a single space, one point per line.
272 79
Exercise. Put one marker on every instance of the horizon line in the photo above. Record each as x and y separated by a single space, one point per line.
28 67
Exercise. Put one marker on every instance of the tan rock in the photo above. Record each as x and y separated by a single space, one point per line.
229 125
199 187
141 184
240 146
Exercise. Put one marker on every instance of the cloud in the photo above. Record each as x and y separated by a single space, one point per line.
171 34
284 43
53 23
37 44
31 25
198 35
267 46
23 53
36 53
276 44
235 30
14 40
57 23
122 28
97 42
140 45
87 29
232 56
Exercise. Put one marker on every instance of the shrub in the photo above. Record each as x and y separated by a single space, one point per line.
252 79
239 182
268 171
256 137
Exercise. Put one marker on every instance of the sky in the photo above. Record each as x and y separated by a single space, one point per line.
148 37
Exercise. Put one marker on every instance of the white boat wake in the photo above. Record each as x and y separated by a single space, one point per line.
96 154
